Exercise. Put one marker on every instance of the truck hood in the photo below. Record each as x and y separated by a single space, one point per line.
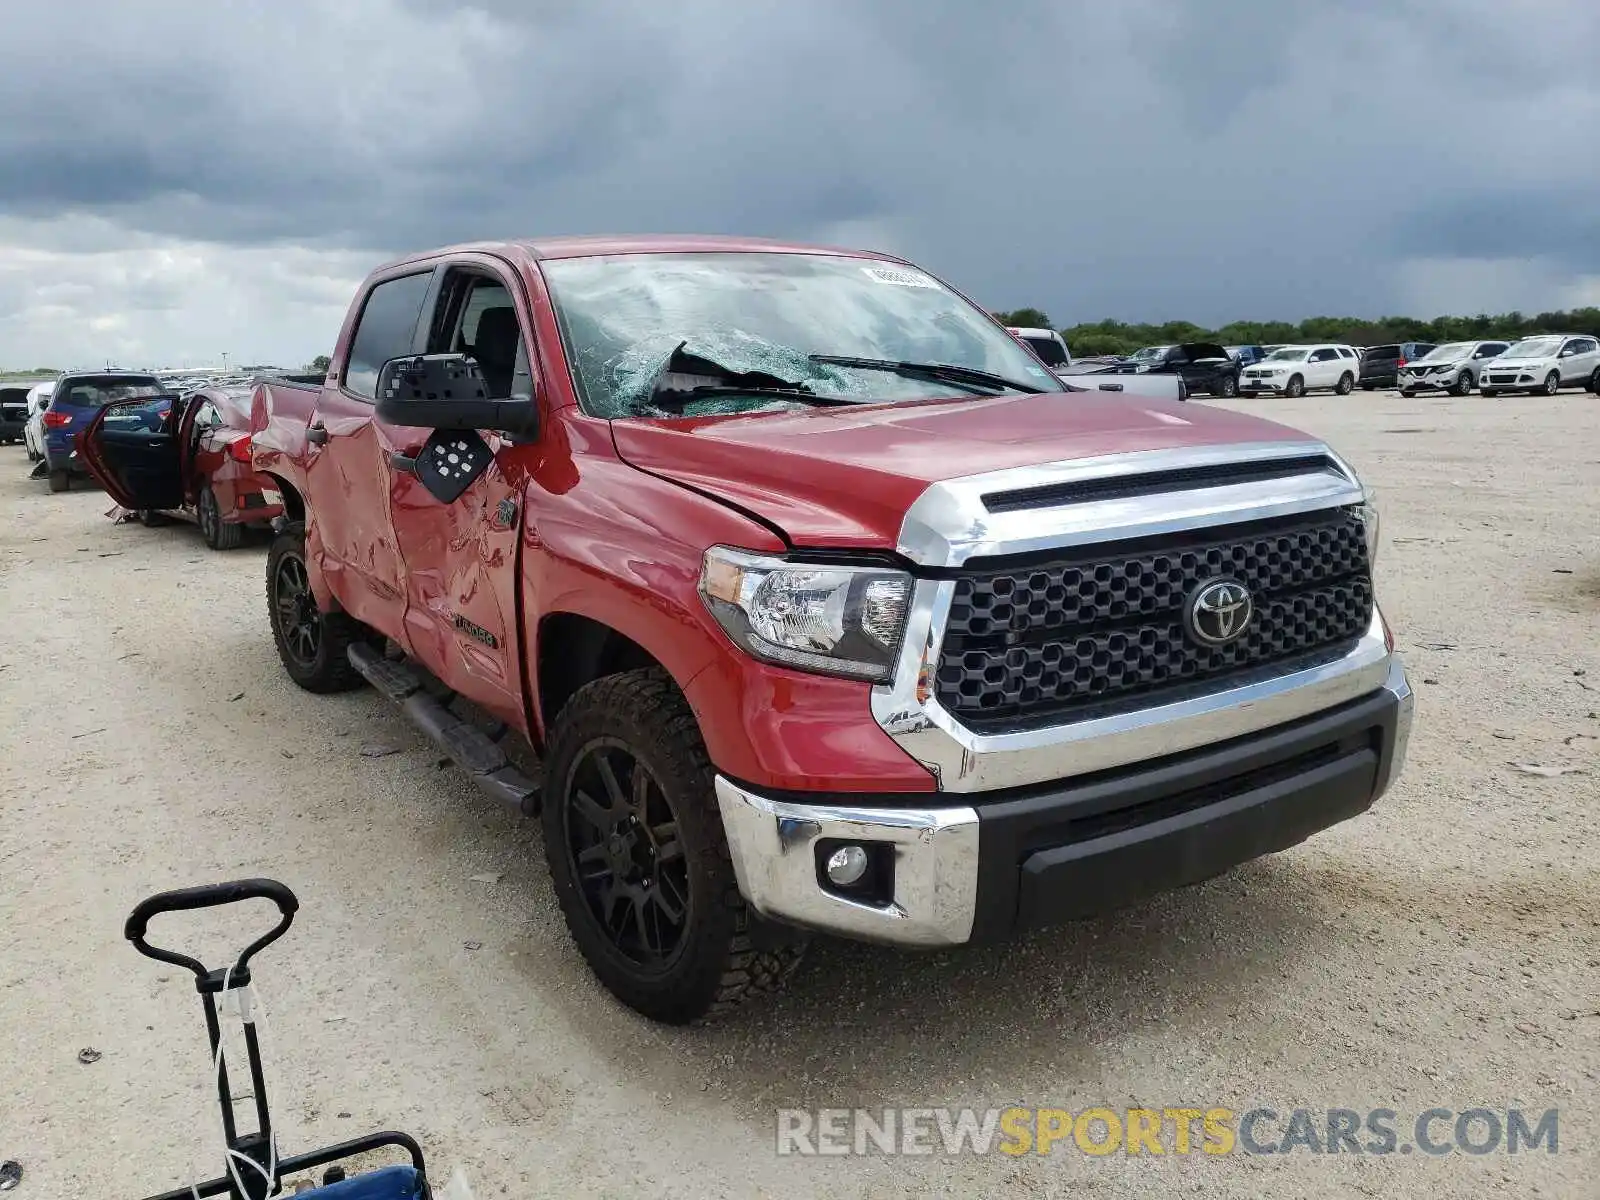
844 477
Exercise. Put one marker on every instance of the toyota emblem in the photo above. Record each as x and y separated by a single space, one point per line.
1219 612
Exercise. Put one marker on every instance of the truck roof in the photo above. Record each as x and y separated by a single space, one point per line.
653 243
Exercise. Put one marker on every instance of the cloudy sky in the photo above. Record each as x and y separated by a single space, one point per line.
179 180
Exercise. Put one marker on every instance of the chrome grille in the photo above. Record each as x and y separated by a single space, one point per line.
1069 635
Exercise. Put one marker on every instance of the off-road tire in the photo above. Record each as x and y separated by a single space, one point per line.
1346 384
329 670
59 481
725 959
218 534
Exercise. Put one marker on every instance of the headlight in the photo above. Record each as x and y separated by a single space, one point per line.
1444 368
1367 510
815 617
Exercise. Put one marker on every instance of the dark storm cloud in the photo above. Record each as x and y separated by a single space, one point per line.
1526 222
1153 158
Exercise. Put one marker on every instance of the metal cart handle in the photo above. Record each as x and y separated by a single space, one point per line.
210 896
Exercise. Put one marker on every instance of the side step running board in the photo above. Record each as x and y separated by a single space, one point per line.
472 749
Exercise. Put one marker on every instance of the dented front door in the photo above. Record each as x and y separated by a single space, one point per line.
462 577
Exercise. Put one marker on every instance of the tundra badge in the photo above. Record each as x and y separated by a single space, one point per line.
476 632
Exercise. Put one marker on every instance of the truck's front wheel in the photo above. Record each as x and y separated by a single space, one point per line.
311 643
638 856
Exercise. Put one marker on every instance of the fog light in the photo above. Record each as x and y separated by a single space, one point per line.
847 865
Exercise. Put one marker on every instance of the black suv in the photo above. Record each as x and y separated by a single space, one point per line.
1203 366
1380 365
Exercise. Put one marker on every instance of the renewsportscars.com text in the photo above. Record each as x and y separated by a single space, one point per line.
1434 1132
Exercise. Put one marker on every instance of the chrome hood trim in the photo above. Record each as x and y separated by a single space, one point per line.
949 523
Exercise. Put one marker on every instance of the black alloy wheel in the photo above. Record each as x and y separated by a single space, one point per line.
299 620
624 851
210 517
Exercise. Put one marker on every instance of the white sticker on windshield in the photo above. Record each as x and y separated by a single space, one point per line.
899 277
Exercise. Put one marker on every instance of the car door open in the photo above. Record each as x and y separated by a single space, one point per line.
134 450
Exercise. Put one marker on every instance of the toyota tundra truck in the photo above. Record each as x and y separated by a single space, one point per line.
793 594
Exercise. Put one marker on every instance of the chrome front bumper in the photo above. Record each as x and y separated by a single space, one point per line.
937 853
774 847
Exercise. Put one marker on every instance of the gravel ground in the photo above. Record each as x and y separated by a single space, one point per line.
1444 950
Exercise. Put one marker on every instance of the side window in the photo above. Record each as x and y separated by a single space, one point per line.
1585 346
1321 355
385 330
477 317
1346 352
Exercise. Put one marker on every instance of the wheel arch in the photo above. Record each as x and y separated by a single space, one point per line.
294 504
574 650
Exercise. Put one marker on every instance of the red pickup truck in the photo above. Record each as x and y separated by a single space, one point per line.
822 604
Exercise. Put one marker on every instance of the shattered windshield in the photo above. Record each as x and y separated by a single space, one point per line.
734 332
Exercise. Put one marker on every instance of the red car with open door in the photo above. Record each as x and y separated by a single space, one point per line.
185 456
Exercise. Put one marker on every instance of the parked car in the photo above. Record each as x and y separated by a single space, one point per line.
1203 366
33 429
1546 363
808 633
1380 365
14 412
192 462
1295 370
1046 343
1454 367
75 400
1104 376
1246 355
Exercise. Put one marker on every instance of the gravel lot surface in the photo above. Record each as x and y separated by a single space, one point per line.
1443 950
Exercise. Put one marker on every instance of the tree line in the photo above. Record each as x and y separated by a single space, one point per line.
1121 337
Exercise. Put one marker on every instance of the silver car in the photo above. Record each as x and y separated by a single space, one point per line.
1455 368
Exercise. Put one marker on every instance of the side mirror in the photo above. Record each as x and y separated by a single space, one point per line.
448 392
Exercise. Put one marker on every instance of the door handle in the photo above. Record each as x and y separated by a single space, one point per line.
317 434
403 462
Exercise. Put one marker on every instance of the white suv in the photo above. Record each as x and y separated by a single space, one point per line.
1295 370
1546 363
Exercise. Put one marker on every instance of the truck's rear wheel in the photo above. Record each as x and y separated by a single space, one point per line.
311 643
639 859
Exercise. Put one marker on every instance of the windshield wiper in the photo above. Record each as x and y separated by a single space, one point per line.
680 398
969 377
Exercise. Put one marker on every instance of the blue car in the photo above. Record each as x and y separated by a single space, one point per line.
1246 355
74 403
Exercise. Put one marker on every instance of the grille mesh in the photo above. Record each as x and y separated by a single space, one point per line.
1104 631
